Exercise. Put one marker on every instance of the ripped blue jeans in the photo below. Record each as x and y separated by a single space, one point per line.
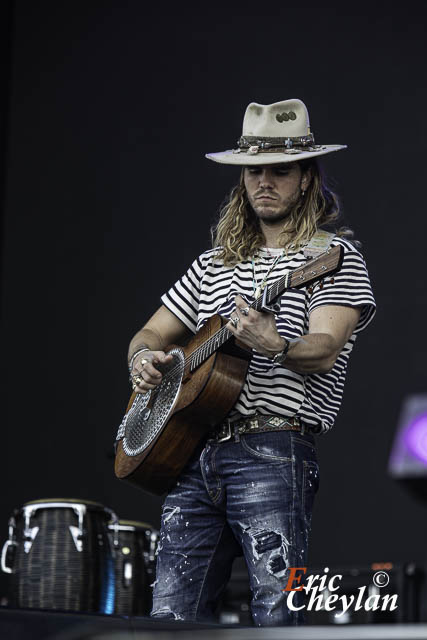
255 496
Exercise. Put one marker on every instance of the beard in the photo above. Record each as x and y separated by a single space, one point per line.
271 214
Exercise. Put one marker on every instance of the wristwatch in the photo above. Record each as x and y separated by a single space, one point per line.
281 356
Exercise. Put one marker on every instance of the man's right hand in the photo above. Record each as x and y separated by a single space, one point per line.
144 367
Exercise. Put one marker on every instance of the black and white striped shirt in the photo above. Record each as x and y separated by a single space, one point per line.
208 288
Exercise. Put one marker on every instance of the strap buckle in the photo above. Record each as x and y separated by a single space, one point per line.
227 435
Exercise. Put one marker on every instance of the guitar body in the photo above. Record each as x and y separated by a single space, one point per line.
205 397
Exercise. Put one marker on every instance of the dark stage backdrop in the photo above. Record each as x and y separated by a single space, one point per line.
109 198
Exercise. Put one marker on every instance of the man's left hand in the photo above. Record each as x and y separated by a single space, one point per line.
256 330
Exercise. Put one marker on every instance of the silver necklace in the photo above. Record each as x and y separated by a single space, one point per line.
259 288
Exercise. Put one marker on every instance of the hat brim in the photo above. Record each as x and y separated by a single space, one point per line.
245 159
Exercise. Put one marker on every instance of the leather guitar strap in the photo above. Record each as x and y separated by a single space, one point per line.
320 242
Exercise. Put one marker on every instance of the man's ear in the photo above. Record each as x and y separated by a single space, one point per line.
306 179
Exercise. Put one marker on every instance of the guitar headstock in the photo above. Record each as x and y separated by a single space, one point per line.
326 264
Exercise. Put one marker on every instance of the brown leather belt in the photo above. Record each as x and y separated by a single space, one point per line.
257 423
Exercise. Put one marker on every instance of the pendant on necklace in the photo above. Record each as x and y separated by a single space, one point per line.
258 292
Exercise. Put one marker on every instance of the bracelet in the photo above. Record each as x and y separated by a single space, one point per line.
130 365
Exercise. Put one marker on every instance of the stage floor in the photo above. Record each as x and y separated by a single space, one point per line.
20 624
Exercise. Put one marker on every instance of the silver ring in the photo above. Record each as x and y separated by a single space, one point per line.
244 310
138 380
234 321
144 361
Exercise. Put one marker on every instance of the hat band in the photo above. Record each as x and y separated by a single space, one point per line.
273 144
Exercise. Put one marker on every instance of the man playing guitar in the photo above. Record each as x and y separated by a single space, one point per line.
249 488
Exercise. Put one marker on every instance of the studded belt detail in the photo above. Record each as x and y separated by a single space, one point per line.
255 424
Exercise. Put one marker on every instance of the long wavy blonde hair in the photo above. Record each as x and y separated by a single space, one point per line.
238 233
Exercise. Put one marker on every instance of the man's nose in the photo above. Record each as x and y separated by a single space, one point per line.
266 178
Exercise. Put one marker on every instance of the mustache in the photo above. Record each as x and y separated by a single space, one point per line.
268 194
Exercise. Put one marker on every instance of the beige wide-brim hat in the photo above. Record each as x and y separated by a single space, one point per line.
275 133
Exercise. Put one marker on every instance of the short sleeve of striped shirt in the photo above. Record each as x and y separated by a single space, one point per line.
183 298
350 287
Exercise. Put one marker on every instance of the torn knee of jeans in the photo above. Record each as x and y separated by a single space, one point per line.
276 565
167 613
276 544
266 541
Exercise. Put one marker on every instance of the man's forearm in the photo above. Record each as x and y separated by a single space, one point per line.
145 338
312 353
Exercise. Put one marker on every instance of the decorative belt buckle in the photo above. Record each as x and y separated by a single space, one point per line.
228 435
